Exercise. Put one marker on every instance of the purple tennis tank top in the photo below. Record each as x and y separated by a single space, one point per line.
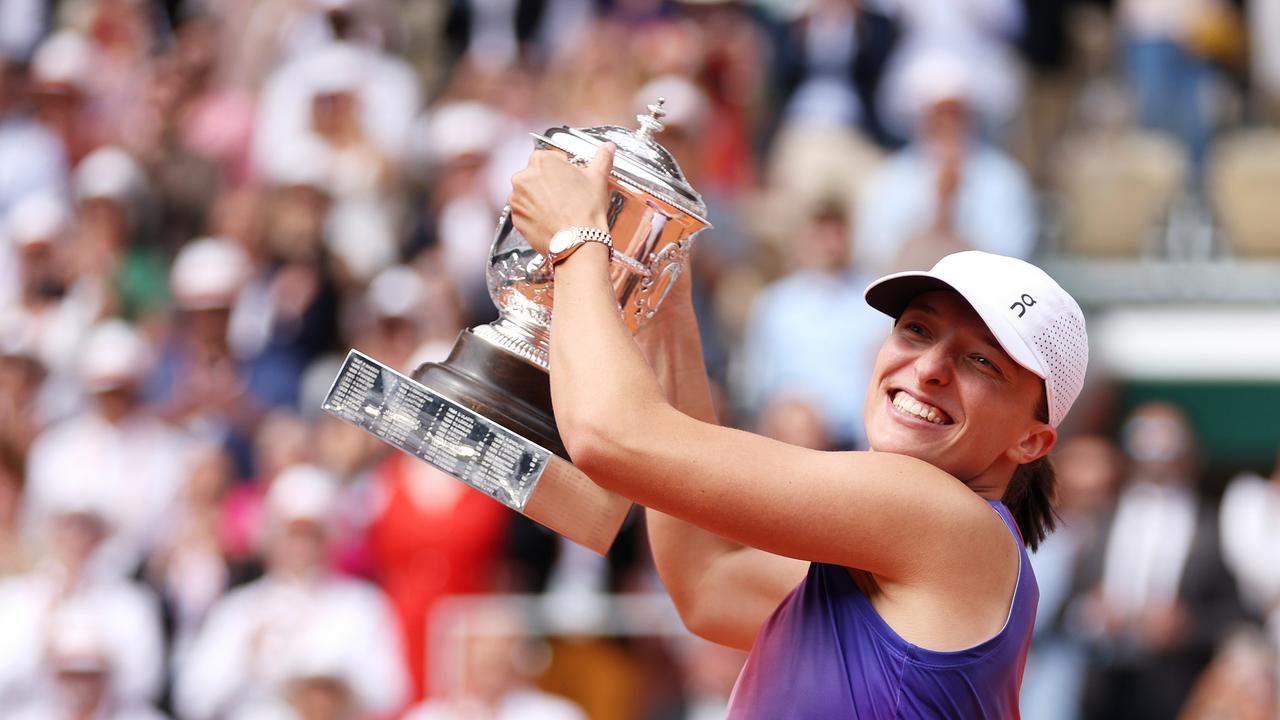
826 654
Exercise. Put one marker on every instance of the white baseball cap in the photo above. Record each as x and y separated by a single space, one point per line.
38 218
64 58
113 355
1035 321
397 292
108 172
303 492
208 273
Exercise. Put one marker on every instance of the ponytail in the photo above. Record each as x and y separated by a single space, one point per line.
1030 497
1031 493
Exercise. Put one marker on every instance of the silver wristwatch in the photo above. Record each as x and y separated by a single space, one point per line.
567 241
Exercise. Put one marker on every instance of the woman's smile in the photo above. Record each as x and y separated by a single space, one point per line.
915 409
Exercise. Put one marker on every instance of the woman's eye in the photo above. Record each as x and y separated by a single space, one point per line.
914 328
985 363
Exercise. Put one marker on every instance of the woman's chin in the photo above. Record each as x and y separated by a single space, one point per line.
902 441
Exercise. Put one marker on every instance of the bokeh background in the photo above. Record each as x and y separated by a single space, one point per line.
203 205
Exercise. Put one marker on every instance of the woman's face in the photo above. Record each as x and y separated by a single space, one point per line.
945 392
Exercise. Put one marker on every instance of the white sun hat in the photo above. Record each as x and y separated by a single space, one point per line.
1035 321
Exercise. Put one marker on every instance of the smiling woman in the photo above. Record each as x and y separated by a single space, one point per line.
892 583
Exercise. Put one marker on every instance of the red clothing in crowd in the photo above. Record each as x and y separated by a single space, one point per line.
433 537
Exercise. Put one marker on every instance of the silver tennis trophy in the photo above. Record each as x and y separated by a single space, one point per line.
484 414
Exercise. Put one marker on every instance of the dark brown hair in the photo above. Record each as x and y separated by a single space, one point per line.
1031 493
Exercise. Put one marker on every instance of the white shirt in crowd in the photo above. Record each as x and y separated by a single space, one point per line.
135 469
519 704
53 710
994 206
262 635
1148 546
31 161
130 626
1250 530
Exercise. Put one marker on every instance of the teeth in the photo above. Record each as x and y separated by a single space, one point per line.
910 405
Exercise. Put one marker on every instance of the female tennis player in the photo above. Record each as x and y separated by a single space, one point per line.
884 584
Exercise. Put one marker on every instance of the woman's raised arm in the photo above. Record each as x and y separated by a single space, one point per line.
891 515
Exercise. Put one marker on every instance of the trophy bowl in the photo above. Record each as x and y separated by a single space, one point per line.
484 414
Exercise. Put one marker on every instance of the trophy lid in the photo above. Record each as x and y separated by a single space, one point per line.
640 160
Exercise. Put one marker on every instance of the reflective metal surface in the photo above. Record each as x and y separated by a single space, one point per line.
654 215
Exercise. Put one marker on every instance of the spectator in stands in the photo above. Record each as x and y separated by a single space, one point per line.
793 347
53 305
359 103
123 37
190 568
486 679
395 305
115 447
1157 595
457 139
432 537
60 73
32 160
200 383
949 190
316 683
214 120
240 660
1250 522
730 48
1173 85
977 35
84 661
110 246
69 578
287 313
830 63
1089 470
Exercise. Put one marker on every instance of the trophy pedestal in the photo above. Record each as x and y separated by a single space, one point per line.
484 417
499 386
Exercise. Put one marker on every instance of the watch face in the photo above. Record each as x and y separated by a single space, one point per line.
560 242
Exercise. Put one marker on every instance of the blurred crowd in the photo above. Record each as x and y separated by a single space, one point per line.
204 204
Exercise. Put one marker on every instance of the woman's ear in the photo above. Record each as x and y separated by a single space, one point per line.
1035 444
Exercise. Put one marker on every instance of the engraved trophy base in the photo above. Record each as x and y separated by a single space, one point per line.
484 417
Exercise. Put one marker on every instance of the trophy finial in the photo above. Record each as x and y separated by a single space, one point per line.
650 124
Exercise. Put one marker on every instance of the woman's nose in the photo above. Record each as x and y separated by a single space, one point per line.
934 366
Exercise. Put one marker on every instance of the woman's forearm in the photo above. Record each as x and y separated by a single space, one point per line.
602 388
600 375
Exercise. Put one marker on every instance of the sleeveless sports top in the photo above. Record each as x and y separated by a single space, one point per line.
826 654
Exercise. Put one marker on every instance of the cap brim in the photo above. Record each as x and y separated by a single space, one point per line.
892 293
